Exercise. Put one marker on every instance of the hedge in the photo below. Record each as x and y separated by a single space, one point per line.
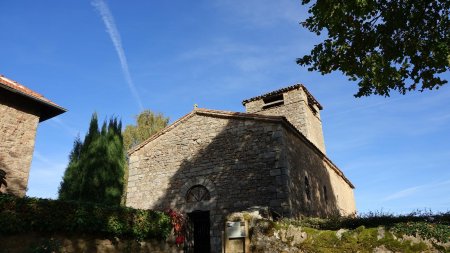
19 215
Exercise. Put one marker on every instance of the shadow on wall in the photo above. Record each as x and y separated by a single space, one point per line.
312 192
3 176
3 183
10 185
243 162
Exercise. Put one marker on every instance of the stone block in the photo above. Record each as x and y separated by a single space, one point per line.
275 172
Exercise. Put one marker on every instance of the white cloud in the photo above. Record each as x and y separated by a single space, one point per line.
262 12
70 130
45 176
414 190
217 49
41 157
114 34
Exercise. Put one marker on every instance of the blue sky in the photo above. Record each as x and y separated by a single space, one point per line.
117 57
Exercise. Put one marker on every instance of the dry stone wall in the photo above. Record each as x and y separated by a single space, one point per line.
82 243
17 137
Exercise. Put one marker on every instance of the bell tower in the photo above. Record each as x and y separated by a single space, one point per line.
299 107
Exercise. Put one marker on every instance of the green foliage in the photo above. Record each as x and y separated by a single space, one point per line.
425 224
360 239
19 215
386 45
371 219
96 166
425 230
147 124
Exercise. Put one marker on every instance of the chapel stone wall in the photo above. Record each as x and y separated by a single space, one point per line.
240 161
315 188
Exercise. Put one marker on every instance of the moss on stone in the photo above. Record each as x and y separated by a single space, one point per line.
360 239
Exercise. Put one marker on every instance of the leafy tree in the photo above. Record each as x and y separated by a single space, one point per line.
386 45
147 124
96 166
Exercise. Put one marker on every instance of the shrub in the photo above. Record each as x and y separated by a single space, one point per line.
18 215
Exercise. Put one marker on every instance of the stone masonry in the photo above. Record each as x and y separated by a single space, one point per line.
21 109
217 152
299 107
243 160
17 134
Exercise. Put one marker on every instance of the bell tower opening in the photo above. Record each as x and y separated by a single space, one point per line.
299 107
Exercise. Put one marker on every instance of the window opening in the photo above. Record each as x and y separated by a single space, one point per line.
325 194
273 101
312 107
197 193
307 189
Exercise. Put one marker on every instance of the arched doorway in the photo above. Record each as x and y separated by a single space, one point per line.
199 232
198 239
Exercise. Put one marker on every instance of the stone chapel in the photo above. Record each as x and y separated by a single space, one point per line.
210 163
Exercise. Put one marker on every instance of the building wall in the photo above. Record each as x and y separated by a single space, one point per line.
303 161
299 111
17 136
238 160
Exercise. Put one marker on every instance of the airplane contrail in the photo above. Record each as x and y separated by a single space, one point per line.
114 34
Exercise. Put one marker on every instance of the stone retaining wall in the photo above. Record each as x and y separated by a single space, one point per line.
86 244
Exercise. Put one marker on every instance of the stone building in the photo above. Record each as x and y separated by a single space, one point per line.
21 109
211 163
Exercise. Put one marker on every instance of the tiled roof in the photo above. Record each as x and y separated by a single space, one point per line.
282 90
51 108
241 115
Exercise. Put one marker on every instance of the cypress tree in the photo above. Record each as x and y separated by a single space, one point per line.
96 166
70 186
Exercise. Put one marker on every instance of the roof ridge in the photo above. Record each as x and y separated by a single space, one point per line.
237 114
282 90
283 120
201 111
161 132
16 86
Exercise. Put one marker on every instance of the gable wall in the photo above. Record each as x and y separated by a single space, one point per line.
238 160
17 137
304 161
297 110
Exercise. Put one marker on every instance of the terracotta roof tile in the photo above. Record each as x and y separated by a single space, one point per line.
16 87
282 90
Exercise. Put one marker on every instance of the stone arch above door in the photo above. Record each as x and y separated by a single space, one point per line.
205 204
197 193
